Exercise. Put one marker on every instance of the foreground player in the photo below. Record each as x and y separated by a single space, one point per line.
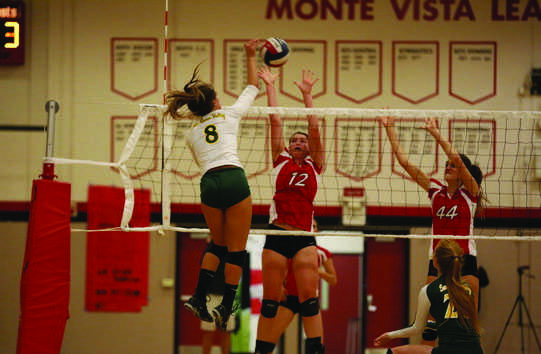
295 175
453 205
449 300
225 195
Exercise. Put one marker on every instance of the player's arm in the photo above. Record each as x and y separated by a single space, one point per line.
250 48
314 135
423 306
277 137
328 273
453 155
415 172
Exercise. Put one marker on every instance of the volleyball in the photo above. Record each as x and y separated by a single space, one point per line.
275 52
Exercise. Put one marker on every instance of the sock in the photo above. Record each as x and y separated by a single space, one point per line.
230 292
314 345
205 279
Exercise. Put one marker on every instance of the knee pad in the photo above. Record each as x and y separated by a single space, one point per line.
236 258
310 307
389 351
314 346
262 347
218 251
269 308
291 303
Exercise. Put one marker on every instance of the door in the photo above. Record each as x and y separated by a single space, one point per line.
341 313
386 288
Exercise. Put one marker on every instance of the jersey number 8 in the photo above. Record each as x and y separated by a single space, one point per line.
211 134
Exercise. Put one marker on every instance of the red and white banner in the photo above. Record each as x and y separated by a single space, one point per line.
116 261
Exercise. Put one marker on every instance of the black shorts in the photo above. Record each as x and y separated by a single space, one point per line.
224 187
468 268
288 246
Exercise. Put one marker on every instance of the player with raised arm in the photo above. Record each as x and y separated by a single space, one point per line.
454 204
295 178
225 195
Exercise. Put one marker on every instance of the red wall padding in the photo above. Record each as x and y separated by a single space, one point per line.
45 281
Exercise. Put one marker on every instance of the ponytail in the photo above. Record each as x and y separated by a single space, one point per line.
449 258
197 95
477 175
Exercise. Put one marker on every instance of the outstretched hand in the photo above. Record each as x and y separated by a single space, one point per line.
431 126
266 75
251 47
308 81
382 340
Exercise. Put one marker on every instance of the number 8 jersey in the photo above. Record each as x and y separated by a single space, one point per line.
295 187
213 138
452 214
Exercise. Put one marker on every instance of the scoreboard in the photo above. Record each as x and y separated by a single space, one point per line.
12 18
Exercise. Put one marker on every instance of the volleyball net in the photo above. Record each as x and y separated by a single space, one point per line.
361 178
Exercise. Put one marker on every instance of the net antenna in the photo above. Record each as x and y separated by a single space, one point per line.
167 132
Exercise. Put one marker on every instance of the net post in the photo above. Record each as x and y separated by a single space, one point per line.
51 107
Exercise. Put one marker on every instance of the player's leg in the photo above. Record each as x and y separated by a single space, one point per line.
237 222
289 307
211 259
274 265
304 266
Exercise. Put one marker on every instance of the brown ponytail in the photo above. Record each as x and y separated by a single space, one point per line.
477 175
449 258
197 95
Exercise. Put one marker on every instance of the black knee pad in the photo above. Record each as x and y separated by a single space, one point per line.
262 347
218 251
236 258
314 346
269 308
389 351
291 303
310 307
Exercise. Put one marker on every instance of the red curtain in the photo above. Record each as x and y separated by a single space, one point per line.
116 262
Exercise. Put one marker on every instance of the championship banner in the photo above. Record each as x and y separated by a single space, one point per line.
116 261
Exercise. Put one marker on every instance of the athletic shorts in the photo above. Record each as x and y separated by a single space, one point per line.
214 300
287 246
468 268
224 187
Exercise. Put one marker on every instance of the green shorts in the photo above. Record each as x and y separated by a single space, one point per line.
224 188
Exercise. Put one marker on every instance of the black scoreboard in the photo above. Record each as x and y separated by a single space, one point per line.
12 23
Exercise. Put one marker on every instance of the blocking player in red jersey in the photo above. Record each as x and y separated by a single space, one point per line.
454 204
295 174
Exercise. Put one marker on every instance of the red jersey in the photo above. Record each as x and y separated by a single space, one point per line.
290 284
452 214
295 187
